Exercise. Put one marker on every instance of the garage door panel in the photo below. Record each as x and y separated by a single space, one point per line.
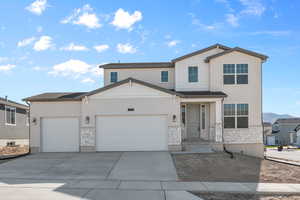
131 133
60 135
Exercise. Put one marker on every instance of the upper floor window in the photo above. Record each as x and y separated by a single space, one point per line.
113 77
236 115
10 115
193 74
235 74
164 76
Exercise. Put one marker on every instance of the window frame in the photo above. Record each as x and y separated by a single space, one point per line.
190 76
236 74
112 76
236 115
230 115
15 115
161 76
242 115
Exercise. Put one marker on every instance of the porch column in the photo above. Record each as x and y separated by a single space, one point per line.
219 125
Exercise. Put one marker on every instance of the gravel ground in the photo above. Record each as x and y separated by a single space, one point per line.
10 151
231 196
221 168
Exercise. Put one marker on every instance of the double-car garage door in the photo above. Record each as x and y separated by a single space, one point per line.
113 133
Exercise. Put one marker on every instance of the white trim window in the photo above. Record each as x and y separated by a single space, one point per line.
113 77
164 76
10 115
235 74
236 115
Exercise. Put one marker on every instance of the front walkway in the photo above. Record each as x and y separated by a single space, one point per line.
130 190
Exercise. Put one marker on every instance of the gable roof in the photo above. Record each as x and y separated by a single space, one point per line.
137 65
12 103
201 51
127 81
288 120
55 96
245 51
183 94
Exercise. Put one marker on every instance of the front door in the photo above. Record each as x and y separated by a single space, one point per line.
197 121
193 121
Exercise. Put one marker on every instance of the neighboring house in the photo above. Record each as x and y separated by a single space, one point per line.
212 95
297 136
14 126
282 129
269 139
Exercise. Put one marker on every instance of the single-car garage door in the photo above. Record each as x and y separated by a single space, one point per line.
60 135
132 133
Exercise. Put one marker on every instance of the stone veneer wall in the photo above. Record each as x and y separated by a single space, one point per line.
87 139
243 136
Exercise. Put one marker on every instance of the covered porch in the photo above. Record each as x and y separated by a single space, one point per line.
201 120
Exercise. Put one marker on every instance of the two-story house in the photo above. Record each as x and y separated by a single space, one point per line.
212 95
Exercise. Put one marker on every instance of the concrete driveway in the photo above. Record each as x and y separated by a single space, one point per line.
112 175
287 155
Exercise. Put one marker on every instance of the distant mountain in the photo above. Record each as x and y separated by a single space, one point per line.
272 117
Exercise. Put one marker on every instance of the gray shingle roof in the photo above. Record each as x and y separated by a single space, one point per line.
252 53
288 120
55 96
12 103
201 51
137 65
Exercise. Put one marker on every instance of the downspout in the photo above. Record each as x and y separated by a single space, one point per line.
29 128
224 146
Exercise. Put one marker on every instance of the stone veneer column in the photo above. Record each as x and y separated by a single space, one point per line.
219 125
87 139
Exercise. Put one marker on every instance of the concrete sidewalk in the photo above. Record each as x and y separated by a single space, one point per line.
274 188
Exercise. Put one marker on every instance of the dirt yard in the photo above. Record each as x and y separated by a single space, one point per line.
231 196
11 151
220 167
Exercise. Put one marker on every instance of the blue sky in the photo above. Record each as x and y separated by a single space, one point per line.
53 46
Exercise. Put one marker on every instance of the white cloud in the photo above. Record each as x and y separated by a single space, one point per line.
6 68
272 32
126 48
96 71
39 29
73 47
125 20
87 80
173 43
37 7
3 59
83 16
26 42
207 27
44 43
100 48
232 20
38 68
252 7
73 68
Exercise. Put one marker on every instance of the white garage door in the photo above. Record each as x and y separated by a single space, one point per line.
60 135
131 133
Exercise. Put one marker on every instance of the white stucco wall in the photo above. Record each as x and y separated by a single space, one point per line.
181 72
150 75
49 109
144 100
248 93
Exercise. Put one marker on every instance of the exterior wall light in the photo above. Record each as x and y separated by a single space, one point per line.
34 121
174 118
87 119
